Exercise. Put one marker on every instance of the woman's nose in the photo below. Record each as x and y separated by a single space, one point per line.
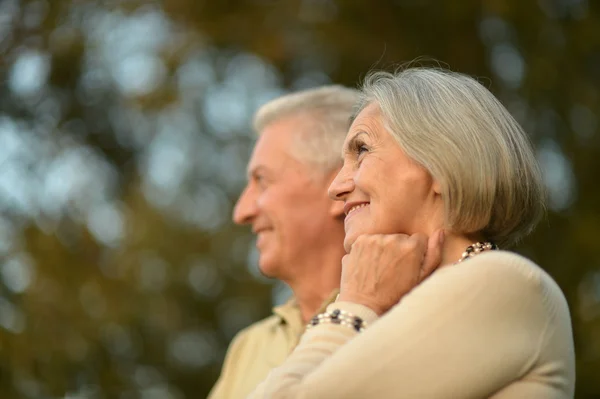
341 186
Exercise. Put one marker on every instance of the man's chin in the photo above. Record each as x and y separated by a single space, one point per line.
268 269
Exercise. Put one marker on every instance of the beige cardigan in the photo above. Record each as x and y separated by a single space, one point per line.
495 326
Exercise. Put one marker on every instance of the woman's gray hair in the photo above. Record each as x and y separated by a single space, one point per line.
467 140
328 110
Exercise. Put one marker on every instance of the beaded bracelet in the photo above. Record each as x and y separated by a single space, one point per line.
341 317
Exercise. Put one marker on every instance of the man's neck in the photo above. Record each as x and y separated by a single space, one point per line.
317 283
310 302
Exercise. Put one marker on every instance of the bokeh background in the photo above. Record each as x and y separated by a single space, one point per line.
124 136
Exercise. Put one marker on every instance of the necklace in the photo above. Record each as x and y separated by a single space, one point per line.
476 249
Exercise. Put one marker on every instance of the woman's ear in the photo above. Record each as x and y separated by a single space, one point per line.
437 187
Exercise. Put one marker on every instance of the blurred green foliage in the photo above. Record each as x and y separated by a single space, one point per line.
124 133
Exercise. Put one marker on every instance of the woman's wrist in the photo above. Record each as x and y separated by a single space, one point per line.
362 301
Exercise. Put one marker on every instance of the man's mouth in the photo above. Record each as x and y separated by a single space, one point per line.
258 230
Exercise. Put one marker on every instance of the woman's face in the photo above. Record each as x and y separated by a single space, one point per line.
384 191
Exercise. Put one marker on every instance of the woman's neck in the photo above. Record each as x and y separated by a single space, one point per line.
455 245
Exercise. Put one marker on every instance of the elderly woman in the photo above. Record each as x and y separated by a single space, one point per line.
436 176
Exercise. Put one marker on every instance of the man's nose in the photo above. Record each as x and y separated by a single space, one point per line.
245 209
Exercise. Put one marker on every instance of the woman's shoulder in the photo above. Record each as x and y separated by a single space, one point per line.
506 264
505 272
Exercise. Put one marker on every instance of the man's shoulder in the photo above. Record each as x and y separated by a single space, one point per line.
245 360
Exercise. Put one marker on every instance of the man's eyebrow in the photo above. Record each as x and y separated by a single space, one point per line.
351 142
254 170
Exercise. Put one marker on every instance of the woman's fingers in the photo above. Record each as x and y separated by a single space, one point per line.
433 255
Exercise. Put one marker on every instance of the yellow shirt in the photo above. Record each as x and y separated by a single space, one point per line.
259 348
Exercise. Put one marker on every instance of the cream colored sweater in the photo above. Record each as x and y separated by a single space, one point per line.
496 326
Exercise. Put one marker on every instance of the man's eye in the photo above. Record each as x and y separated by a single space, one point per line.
260 180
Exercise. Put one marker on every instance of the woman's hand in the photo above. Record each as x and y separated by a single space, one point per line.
381 268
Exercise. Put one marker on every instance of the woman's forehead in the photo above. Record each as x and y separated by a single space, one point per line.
371 111
367 121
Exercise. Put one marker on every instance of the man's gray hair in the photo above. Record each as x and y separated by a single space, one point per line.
455 128
328 110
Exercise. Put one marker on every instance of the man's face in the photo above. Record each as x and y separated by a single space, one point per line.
285 201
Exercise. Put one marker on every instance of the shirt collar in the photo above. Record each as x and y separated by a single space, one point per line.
289 312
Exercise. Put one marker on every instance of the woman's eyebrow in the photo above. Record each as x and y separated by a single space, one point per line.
351 142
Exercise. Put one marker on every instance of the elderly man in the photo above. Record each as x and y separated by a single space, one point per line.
299 230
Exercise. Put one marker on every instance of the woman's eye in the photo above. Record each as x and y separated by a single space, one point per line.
361 149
